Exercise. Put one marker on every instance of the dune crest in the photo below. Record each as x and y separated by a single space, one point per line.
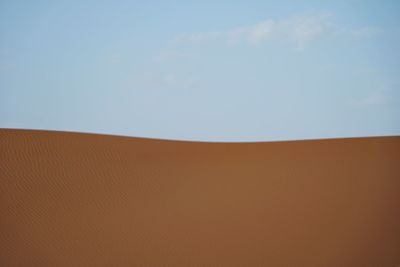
71 199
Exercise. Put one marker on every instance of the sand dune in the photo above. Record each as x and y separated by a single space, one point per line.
71 199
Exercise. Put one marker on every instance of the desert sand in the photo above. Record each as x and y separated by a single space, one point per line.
74 199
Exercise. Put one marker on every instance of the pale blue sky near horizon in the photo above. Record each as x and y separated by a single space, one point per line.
202 70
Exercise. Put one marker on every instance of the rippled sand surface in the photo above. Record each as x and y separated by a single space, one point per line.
73 199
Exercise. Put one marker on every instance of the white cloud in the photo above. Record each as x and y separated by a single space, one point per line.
305 29
298 30
261 31
254 35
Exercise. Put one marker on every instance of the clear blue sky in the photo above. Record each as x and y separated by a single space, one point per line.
202 70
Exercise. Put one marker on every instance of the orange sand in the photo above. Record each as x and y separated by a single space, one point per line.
71 199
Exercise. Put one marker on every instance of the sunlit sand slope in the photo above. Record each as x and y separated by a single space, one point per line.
71 199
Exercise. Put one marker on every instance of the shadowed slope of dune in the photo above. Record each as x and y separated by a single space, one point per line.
70 199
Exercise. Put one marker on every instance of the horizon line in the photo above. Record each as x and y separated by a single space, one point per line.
196 141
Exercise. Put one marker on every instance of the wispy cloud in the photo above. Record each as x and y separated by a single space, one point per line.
299 30
255 34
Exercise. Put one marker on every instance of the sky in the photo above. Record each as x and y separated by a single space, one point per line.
202 70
